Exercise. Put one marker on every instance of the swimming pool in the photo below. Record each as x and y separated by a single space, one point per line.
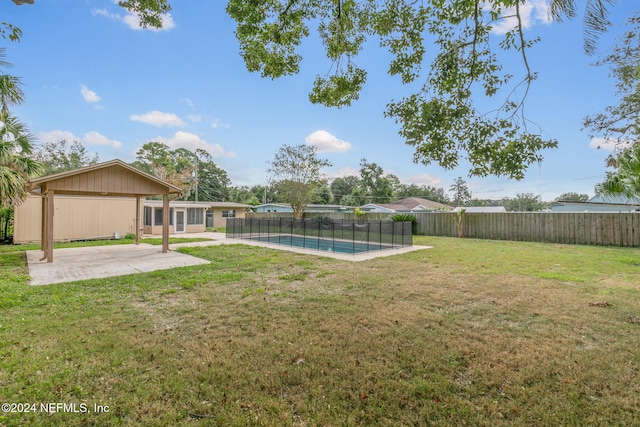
319 244
323 234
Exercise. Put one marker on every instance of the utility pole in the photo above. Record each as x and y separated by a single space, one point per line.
194 175
197 161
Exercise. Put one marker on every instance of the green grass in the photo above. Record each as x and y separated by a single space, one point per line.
470 332
82 243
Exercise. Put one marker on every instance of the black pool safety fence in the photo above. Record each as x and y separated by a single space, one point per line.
323 234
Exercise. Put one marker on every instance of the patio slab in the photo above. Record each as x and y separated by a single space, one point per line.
71 264
90 262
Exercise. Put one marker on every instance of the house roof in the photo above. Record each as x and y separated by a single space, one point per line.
411 204
615 200
111 178
480 209
191 204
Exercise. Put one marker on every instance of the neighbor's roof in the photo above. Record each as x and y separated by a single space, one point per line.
110 178
480 209
615 200
411 204
201 204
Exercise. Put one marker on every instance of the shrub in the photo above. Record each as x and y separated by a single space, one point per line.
402 217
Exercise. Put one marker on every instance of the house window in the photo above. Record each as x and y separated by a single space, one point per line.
231 213
157 216
194 216
147 216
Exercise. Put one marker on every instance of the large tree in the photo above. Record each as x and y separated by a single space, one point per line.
345 186
572 197
437 194
159 160
621 123
524 202
208 181
191 171
61 156
441 119
625 180
377 188
296 171
460 190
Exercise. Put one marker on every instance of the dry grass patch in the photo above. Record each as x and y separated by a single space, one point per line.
470 332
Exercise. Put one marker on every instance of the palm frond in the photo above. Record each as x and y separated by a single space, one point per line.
596 22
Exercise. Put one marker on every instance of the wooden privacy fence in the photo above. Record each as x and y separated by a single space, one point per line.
583 228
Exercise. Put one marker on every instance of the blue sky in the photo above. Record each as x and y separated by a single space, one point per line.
91 74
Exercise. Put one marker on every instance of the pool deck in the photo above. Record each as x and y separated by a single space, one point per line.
90 262
363 256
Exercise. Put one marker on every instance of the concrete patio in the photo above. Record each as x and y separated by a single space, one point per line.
91 262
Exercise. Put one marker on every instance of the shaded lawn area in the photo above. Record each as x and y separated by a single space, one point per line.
470 332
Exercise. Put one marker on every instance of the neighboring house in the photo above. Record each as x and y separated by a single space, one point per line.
184 217
480 209
191 217
279 207
219 212
408 205
599 204
273 207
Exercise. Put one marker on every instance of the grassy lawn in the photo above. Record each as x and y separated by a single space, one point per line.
77 244
471 332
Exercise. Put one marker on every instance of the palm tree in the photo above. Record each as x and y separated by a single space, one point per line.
16 164
626 180
595 20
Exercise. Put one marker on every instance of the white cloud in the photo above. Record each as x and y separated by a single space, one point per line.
347 171
219 123
191 142
194 118
327 142
423 179
609 144
89 95
89 138
57 135
189 102
94 138
531 12
158 118
133 21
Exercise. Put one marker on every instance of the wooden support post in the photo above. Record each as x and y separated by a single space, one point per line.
49 226
165 223
137 220
43 224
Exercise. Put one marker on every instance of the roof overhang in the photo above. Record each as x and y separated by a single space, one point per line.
111 178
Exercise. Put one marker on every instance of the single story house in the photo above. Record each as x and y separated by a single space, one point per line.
184 217
480 209
619 204
218 212
101 217
280 207
408 205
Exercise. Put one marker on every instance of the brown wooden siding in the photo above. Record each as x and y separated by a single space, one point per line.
113 180
93 217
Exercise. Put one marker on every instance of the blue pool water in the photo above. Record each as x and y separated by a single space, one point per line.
323 244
